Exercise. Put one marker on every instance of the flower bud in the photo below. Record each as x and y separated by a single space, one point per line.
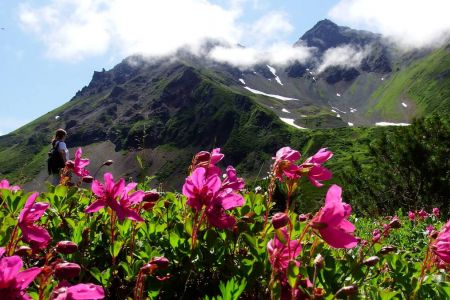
395 223
151 196
387 249
108 162
319 261
348 290
371 261
376 235
88 179
166 204
148 205
67 270
202 156
24 251
280 220
66 247
303 217
161 262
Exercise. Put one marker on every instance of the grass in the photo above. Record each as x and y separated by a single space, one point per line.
425 82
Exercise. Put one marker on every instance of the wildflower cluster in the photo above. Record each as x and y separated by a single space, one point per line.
97 239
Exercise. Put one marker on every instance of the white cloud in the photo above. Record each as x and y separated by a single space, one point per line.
270 26
277 54
345 56
410 23
75 29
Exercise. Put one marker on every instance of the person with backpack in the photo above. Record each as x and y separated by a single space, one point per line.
57 156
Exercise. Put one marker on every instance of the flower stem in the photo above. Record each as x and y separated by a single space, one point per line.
112 219
12 242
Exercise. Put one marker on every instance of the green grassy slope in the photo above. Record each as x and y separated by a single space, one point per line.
426 82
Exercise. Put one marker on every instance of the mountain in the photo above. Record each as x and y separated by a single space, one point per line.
164 110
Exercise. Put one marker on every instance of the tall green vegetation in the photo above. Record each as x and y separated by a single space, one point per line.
409 169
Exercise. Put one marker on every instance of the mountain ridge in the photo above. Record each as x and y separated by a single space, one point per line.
166 109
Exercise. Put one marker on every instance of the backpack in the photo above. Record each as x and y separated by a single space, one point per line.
55 162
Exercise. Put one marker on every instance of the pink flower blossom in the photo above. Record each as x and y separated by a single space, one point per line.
284 164
208 161
411 215
331 220
313 168
116 196
282 250
423 214
441 246
31 213
429 229
232 181
13 282
79 164
436 212
206 192
4 185
376 235
77 292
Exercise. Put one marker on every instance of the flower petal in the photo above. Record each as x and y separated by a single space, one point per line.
95 206
25 277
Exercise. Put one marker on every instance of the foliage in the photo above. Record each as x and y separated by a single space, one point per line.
410 169
174 255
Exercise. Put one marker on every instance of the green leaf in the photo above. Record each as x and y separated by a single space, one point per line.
115 249
292 273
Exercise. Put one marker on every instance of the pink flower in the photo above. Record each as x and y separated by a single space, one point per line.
208 161
281 252
4 185
77 292
436 212
116 196
13 283
284 164
411 215
313 168
232 181
376 235
206 192
441 246
79 164
331 220
31 213
429 229
423 214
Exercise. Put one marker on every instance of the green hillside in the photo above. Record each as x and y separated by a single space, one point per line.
425 82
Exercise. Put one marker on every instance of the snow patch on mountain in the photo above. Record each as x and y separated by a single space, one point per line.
335 108
291 122
391 124
269 95
242 81
274 72
285 110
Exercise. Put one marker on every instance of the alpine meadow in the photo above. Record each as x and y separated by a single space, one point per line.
201 168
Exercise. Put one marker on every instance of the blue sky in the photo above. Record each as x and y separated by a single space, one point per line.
50 48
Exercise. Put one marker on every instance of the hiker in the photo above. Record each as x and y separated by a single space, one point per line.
57 156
